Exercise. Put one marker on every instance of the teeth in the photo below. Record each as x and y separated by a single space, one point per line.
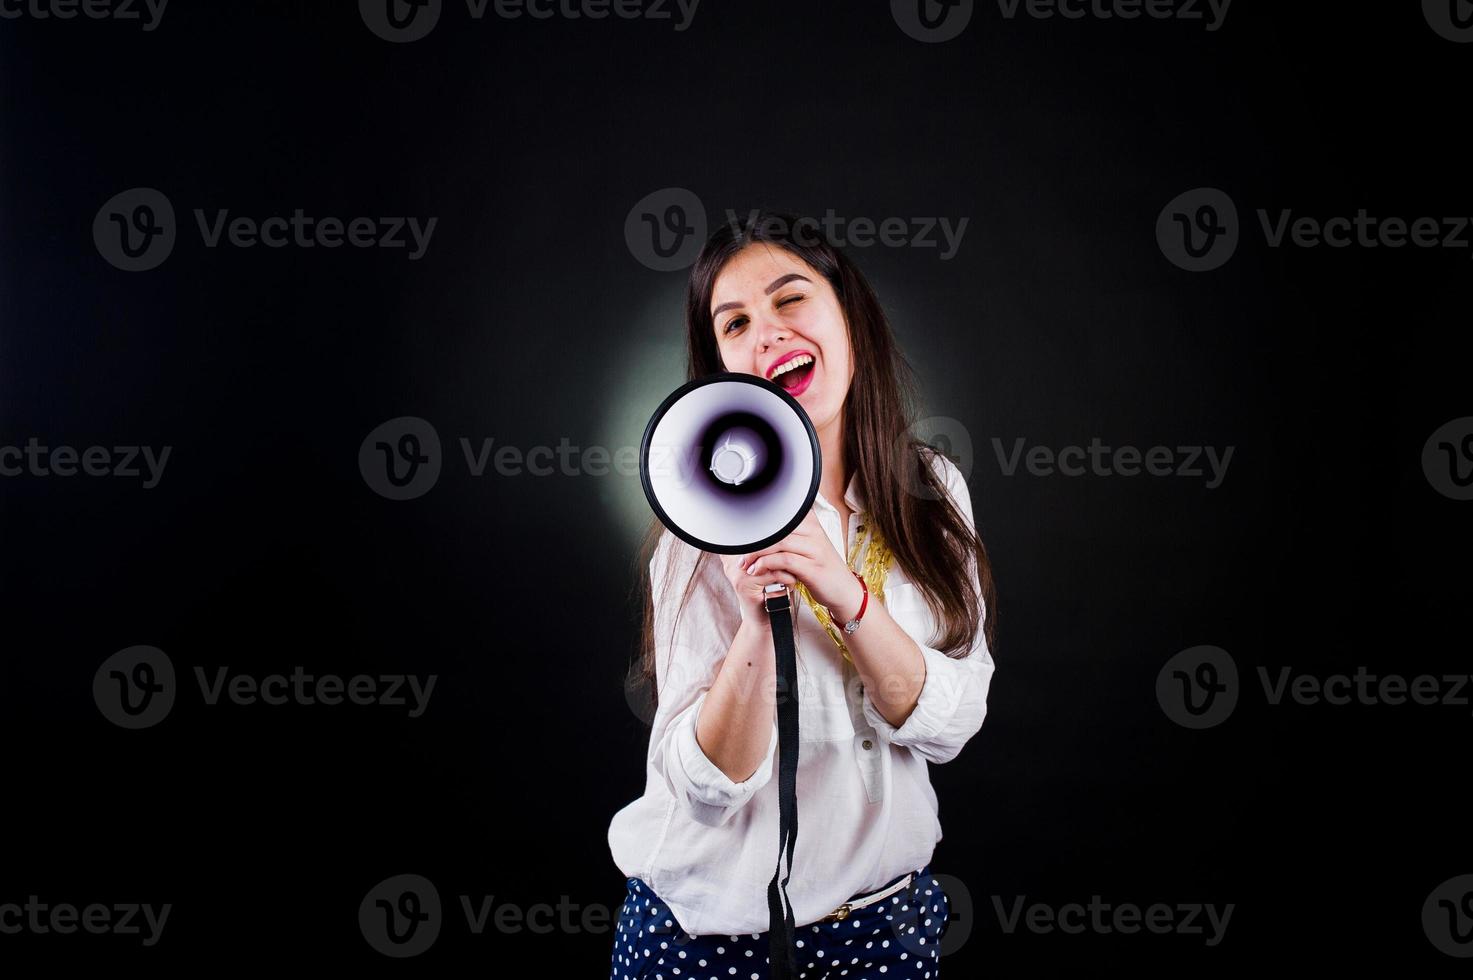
796 362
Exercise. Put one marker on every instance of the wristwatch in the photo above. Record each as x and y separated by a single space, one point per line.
853 624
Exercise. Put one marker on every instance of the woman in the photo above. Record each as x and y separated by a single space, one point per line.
876 704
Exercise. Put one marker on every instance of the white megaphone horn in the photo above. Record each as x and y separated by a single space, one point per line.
730 463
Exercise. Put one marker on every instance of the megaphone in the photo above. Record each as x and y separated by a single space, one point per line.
730 463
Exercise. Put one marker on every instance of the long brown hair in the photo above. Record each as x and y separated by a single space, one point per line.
906 500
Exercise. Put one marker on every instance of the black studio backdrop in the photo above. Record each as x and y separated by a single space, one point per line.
529 318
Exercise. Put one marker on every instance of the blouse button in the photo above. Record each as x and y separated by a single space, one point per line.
868 744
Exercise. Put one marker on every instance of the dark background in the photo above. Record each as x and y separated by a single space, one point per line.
529 321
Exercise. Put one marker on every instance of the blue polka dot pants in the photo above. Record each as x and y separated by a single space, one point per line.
896 938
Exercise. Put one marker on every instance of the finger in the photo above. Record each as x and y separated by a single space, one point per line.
790 544
757 586
807 531
781 561
756 566
747 559
808 539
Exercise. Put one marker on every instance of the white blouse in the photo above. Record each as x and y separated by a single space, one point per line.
867 812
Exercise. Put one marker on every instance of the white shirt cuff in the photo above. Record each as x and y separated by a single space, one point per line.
949 710
710 793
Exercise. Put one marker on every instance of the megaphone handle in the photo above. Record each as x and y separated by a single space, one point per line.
782 952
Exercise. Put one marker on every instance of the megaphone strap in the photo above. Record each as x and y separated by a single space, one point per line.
782 947
877 561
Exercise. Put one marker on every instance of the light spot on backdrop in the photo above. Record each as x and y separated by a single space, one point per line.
642 372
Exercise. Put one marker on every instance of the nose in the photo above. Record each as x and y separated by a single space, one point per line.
770 332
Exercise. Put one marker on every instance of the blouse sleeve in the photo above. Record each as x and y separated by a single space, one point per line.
688 656
953 698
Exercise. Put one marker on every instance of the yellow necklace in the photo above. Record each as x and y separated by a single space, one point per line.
877 560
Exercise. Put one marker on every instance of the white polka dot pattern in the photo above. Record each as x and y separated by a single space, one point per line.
896 938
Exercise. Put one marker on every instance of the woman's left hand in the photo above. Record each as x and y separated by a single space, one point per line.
809 555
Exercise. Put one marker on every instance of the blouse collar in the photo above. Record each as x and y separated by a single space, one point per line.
852 498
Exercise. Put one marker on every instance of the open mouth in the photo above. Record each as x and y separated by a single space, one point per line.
795 375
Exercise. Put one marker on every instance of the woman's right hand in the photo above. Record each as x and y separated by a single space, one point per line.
748 588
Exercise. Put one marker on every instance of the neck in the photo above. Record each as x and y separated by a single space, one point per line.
834 480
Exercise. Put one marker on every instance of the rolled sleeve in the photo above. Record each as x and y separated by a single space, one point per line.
688 656
950 709
953 699
711 795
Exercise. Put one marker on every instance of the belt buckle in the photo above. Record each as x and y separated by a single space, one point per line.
838 914
842 912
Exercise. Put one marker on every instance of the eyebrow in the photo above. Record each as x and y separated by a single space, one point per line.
777 284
